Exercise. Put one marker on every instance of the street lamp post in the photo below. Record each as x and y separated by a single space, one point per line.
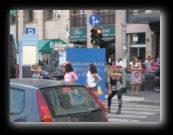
123 13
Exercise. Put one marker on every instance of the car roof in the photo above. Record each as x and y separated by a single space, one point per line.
40 83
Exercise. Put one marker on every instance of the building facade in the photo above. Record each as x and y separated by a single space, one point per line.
72 26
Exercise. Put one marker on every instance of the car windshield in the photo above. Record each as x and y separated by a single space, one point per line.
68 100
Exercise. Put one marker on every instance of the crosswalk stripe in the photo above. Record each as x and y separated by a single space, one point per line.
130 111
126 116
128 104
121 120
133 112
133 108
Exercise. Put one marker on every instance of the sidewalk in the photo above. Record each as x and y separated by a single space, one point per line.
147 97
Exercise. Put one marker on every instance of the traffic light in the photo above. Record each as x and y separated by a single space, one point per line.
99 35
93 36
96 36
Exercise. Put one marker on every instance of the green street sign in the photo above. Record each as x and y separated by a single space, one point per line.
12 11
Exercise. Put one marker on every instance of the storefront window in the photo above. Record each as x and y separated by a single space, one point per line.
137 38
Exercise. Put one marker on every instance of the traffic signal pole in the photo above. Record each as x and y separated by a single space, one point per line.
123 25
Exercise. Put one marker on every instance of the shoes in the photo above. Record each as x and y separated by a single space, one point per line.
132 94
109 110
118 111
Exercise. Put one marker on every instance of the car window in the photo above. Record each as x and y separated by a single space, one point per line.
16 101
69 99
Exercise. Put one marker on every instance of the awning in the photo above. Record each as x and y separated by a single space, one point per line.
108 38
46 46
77 40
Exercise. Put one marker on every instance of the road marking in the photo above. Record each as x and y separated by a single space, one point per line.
129 104
122 120
132 112
126 116
133 108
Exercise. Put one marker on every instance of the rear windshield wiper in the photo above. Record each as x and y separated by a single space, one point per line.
13 113
92 110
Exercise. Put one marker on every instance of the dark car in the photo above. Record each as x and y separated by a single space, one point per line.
52 73
40 100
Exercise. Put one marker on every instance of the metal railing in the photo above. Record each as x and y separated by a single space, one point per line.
134 12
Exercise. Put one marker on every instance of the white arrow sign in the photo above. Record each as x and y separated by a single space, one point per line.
94 21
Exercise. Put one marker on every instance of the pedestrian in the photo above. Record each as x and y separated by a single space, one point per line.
36 71
63 65
91 82
148 63
113 66
119 65
115 87
135 78
153 64
70 75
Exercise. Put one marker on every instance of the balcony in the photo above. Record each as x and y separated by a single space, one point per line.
107 17
78 20
152 18
140 16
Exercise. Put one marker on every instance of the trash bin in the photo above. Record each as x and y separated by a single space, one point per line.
150 81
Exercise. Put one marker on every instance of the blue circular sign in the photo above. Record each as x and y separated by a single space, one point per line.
94 20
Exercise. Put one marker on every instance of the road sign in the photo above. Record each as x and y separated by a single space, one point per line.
94 20
12 11
30 30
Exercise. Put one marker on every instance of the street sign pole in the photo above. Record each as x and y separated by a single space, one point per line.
123 50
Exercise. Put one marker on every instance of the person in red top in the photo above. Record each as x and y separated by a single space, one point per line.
153 64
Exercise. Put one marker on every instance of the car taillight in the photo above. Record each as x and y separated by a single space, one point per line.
43 108
17 70
100 103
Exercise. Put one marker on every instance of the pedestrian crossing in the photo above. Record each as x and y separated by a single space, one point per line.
131 112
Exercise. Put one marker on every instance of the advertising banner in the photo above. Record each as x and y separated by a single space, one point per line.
81 58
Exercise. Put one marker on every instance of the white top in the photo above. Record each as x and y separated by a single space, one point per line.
148 64
119 63
90 80
36 75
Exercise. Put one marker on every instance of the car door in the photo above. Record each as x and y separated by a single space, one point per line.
22 105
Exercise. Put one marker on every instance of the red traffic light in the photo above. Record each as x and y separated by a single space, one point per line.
99 31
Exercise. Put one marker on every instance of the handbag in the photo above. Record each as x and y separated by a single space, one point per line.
99 90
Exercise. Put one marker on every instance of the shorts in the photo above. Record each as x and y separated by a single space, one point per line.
93 88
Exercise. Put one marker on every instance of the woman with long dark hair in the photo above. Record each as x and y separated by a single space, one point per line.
70 75
135 78
92 74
